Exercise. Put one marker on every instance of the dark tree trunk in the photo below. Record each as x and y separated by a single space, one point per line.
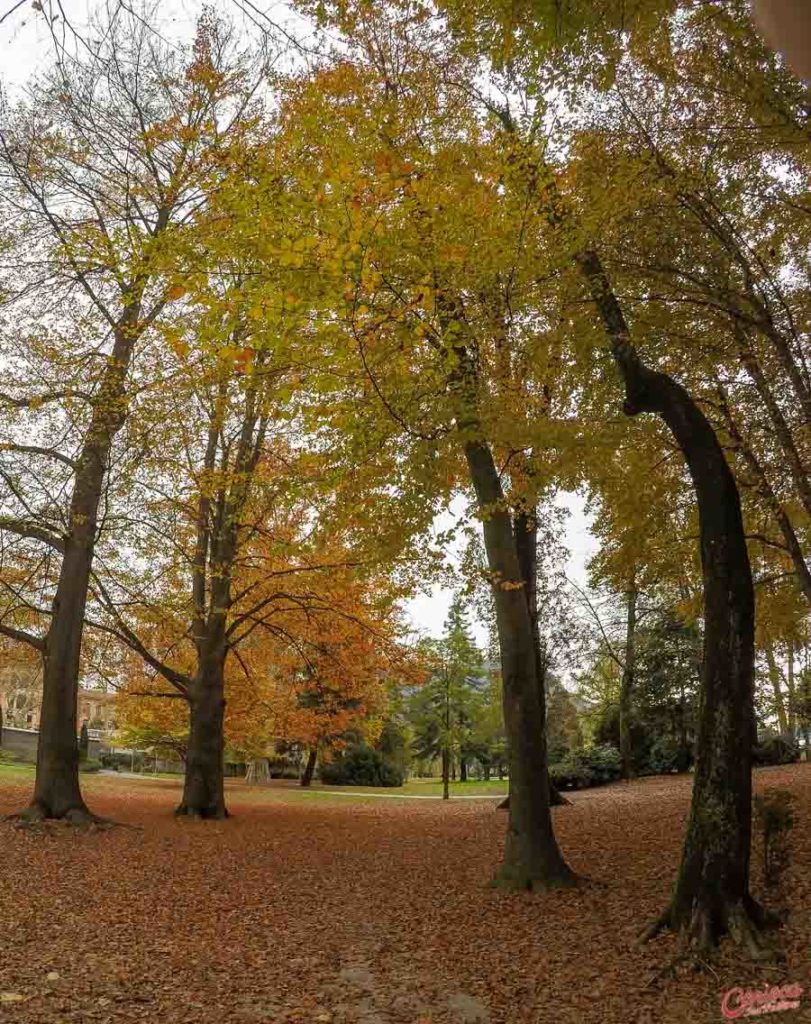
526 545
462 770
711 896
532 858
446 765
216 549
203 787
309 768
627 684
56 791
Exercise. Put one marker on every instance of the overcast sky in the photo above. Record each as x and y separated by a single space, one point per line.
25 43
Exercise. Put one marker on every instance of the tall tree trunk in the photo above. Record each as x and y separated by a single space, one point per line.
526 545
462 769
779 702
218 524
56 790
627 684
203 786
309 768
532 858
792 695
446 771
711 895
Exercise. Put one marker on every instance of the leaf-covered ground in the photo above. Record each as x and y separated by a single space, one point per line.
377 911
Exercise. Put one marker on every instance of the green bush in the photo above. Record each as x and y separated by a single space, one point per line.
116 761
8 757
593 766
776 749
90 765
668 755
361 766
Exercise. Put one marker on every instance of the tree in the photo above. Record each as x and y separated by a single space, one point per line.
103 168
443 710
424 321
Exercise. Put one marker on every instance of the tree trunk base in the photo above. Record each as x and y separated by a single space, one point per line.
515 878
556 799
201 813
744 922
37 817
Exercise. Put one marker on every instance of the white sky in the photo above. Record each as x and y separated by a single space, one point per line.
25 44
428 611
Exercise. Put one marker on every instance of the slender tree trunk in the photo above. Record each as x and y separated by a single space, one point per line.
767 493
462 770
532 858
779 702
711 895
627 684
57 793
309 768
782 430
792 695
203 788
446 764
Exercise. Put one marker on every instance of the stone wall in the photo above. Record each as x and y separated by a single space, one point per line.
23 743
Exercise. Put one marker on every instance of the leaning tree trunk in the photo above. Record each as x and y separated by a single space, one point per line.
309 768
532 858
203 787
56 791
711 896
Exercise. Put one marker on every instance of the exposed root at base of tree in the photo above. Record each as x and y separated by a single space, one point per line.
35 817
201 813
743 922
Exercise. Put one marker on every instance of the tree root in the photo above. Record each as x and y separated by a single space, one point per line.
37 818
744 923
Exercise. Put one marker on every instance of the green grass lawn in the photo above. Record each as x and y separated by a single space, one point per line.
280 790
413 788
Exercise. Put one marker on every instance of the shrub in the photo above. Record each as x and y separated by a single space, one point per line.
568 774
776 749
116 761
361 766
593 766
8 757
774 817
668 755
90 765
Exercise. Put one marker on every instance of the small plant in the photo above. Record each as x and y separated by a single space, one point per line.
90 765
774 817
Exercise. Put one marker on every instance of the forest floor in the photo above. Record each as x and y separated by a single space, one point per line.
362 912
